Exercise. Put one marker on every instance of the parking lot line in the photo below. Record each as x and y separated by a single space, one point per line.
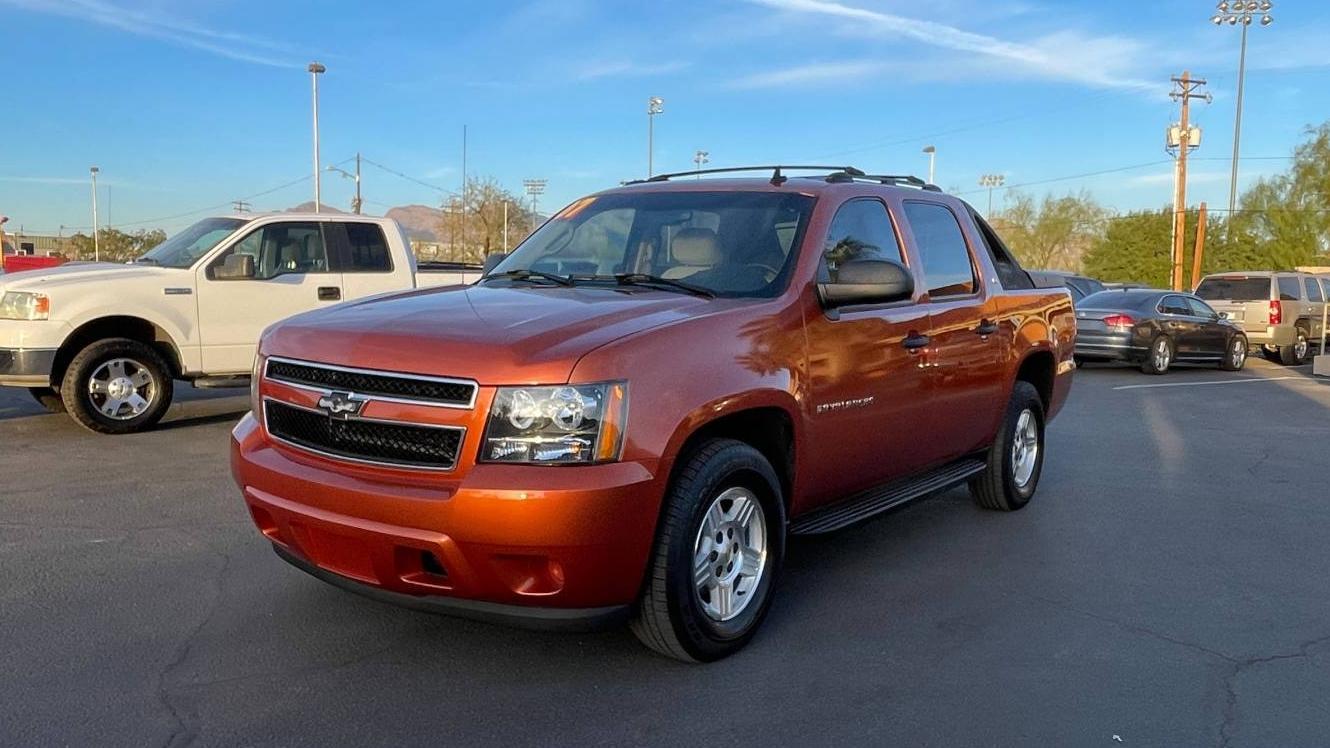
1222 381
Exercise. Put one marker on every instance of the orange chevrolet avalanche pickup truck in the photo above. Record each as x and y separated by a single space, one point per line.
627 416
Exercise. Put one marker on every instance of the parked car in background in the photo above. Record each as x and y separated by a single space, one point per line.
1279 311
17 263
1078 285
106 341
625 418
1156 329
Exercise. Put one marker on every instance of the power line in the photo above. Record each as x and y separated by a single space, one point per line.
408 177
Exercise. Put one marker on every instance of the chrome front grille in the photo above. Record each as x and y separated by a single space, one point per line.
379 385
366 440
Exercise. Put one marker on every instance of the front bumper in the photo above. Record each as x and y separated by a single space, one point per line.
547 547
26 367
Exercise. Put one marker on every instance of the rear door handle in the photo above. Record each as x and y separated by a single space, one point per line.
329 293
986 327
915 342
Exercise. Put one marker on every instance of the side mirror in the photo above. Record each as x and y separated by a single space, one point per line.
1223 315
236 267
867 282
492 261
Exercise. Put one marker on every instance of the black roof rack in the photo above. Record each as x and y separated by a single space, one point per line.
838 174
776 176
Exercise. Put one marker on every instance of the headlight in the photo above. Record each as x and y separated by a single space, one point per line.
574 423
24 305
254 376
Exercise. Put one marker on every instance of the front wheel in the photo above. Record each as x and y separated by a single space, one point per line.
1016 458
717 555
117 386
1236 355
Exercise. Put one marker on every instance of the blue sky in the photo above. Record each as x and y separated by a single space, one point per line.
184 106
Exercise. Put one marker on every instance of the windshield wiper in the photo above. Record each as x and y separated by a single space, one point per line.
527 274
645 279
146 261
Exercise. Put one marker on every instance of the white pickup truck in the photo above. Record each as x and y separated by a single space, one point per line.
107 341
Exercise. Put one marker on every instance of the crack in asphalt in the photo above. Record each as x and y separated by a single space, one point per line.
1238 664
183 732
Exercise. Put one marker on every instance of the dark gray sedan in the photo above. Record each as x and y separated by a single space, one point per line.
1156 329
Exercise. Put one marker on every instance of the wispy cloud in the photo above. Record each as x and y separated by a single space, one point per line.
627 68
1193 177
1101 61
812 73
158 25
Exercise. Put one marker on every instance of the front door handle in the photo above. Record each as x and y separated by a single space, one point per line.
329 293
914 342
986 327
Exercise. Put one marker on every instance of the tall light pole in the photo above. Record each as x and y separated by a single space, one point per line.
356 202
699 158
932 161
990 181
655 105
96 246
535 188
1239 13
316 69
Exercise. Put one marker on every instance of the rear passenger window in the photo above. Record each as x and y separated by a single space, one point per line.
369 250
861 230
1314 290
946 258
1288 288
1175 305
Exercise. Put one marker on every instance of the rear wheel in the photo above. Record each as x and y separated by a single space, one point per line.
717 555
1296 354
48 398
117 386
1236 355
1016 458
1159 357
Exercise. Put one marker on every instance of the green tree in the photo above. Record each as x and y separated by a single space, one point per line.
115 245
1051 234
1283 220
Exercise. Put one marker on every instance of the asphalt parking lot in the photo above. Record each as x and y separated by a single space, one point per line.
1169 585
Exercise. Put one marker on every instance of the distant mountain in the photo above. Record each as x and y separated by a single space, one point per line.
420 221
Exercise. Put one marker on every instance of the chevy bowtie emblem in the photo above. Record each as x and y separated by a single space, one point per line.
342 404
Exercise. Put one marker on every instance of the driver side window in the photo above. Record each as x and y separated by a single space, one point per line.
861 230
281 249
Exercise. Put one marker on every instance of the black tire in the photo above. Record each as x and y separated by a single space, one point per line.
1288 354
997 486
1153 366
1270 354
79 401
48 398
1232 361
670 617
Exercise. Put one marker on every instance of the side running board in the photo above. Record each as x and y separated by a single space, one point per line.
877 500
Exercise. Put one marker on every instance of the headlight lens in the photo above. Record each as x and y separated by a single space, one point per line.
574 423
24 305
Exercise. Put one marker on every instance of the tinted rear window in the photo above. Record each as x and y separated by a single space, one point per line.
369 250
1120 300
1234 289
1288 289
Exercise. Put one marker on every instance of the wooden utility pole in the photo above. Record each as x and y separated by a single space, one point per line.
1185 89
1199 250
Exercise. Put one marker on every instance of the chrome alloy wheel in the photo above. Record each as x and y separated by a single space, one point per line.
1300 347
1161 355
1237 353
729 554
122 389
1024 448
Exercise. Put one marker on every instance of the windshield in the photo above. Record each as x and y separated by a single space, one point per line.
727 243
183 249
1234 289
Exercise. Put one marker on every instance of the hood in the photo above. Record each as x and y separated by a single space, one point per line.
77 272
495 335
